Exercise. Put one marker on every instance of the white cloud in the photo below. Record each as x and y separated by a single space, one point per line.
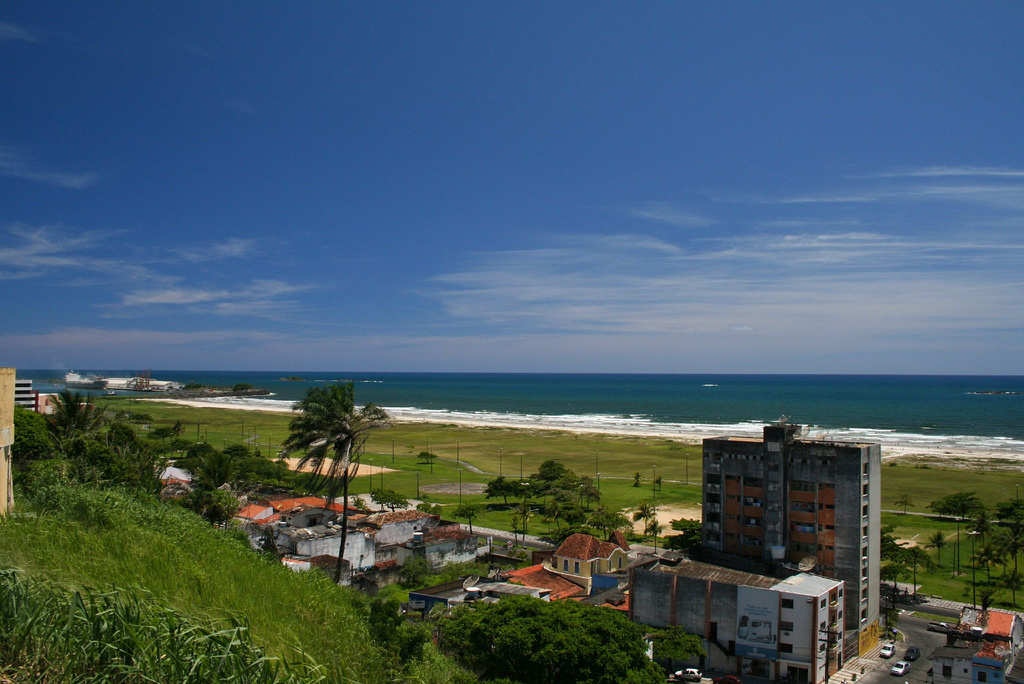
16 165
258 298
231 248
9 31
668 213
940 171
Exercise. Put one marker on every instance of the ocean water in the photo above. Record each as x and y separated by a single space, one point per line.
933 411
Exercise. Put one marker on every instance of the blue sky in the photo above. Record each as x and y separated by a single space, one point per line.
627 187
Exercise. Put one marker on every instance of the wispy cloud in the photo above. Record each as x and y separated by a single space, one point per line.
231 248
196 50
9 31
943 171
258 298
17 165
670 214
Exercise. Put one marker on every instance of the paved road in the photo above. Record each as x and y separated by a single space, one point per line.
915 631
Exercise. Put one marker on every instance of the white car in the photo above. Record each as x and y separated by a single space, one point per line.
888 650
900 668
690 674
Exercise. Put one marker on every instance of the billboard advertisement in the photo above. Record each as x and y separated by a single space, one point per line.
757 623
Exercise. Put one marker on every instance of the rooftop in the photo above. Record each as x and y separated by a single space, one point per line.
715 573
251 511
805 584
541 578
586 547
397 517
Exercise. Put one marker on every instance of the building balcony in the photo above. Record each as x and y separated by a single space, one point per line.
713 488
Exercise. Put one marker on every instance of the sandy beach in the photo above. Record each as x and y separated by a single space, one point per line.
364 468
958 457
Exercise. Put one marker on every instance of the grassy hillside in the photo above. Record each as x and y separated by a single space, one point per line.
172 560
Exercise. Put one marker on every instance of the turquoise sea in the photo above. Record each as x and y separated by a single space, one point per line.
938 411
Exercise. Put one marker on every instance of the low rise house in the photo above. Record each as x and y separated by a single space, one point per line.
6 438
468 591
581 557
440 546
398 527
540 576
984 649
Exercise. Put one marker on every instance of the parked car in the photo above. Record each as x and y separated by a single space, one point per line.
938 627
912 654
900 668
727 679
888 650
690 674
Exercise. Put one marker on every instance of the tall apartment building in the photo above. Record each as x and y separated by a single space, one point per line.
804 504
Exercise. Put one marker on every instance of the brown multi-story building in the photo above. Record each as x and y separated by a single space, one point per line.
800 503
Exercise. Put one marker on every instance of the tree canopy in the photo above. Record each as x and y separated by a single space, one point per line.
523 639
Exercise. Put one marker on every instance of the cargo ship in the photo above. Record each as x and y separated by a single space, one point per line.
73 380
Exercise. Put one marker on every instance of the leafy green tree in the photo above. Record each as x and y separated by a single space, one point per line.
428 458
1011 511
608 521
468 512
328 422
523 639
31 437
938 542
904 501
414 571
690 537
675 643
981 524
987 555
161 433
551 471
501 487
588 491
400 640
389 498
958 505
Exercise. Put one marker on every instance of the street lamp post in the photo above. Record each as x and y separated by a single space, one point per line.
974 570
460 486
526 490
499 461
598 481
417 484
654 483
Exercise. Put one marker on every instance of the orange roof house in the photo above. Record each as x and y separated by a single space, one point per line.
581 556
540 577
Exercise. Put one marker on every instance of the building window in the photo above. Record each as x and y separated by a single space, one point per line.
565 565
714 478
787 603
947 671
576 567
786 626
822 605
753 482
785 648
982 676
801 486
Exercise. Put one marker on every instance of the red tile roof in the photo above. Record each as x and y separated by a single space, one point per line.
318 501
446 533
585 547
999 623
251 511
539 577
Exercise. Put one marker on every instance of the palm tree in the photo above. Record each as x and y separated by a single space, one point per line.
937 541
982 524
329 423
1013 582
915 556
647 513
1012 541
74 415
989 554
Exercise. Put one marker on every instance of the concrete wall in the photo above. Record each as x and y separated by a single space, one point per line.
440 553
6 438
401 532
359 548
